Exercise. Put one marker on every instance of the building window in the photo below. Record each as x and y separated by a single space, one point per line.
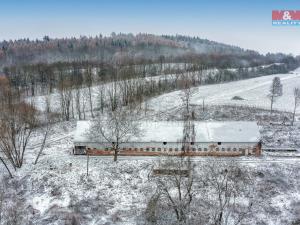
153 149
234 149
219 143
205 149
141 149
106 149
176 149
217 149
159 149
170 149
194 149
200 149
147 149
135 149
182 148
223 149
192 143
228 149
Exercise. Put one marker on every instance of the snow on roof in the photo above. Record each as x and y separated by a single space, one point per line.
81 132
166 131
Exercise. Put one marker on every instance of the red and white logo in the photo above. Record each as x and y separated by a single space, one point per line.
286 17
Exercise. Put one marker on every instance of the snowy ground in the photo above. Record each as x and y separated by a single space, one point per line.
57 190
254 92
54 98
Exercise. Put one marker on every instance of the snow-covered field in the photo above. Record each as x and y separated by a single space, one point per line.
57 190
254 92
54 98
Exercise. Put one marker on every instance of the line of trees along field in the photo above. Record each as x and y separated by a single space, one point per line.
45 78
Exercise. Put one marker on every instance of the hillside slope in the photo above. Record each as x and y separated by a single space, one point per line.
253 92
127 48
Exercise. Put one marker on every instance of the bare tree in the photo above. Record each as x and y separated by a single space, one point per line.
113 95
46 127
296 102
174 179
16 126
275 91
227 193
77 97
101 97
6 98
17 122
186 84
213 193
66 98
85 100
119 127
89 83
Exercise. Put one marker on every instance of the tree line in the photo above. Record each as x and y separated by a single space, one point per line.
43 78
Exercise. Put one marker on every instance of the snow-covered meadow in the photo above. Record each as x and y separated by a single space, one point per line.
58 191
250 92
254 93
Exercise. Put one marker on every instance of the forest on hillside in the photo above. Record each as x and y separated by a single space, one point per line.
49 64
131 49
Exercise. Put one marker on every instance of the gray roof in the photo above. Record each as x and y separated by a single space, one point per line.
229 131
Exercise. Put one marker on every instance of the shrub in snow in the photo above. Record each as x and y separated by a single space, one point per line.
237 98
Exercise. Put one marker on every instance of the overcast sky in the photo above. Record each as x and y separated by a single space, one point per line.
244 23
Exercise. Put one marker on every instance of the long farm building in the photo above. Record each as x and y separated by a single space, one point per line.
232 138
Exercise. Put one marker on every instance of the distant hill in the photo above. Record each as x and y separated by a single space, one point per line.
129 48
